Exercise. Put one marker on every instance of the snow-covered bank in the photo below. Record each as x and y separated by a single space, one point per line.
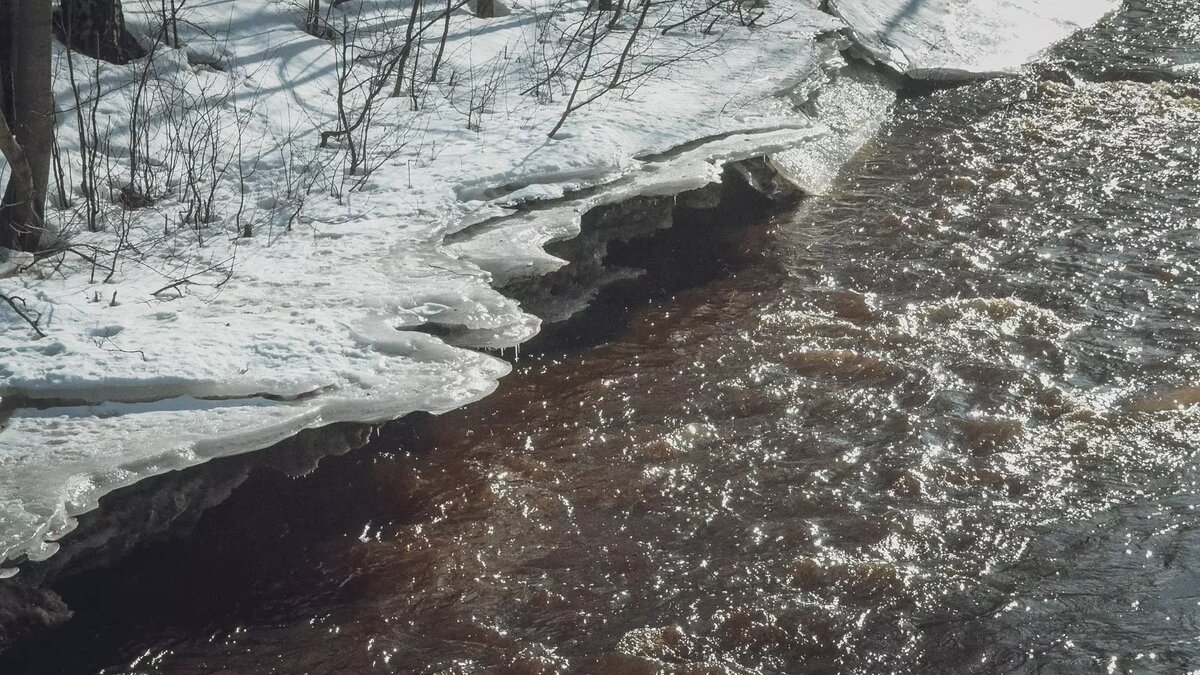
345 303
213 344
957 39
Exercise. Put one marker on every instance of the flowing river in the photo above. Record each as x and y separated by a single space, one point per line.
943 420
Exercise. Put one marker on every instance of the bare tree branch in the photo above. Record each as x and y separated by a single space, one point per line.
33 323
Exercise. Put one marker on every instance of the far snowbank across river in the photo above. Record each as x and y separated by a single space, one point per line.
261 289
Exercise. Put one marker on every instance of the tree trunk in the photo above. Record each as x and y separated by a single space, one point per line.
27 134
97 28
312 19
485 9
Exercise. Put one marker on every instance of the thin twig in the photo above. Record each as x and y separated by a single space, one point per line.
33 323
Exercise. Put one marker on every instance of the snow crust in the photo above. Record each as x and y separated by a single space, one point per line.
963 39
366 298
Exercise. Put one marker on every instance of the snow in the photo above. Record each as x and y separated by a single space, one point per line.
364 298
961 39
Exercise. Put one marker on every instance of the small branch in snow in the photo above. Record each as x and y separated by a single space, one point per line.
21 312
174 285
101 341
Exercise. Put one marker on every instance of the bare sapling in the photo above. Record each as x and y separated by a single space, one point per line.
85 109
366 62
601 71
407 47
441 48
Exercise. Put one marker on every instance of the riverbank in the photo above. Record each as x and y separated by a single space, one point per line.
374 304
634 246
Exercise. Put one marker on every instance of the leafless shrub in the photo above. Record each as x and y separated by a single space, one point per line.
483 85
596 54
361 75
85 110
366 62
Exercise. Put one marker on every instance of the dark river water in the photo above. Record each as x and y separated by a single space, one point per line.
940 421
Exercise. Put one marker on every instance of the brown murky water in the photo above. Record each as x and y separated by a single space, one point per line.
942 421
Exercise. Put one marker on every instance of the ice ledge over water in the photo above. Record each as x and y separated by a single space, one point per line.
963 39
